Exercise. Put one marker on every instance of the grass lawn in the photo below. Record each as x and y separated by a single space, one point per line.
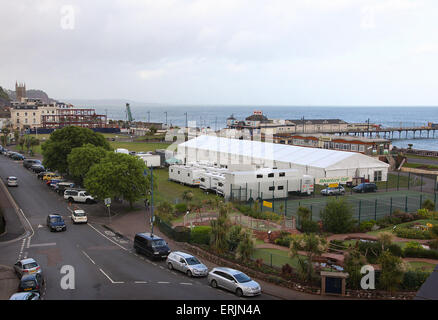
139 146
279 257
423 266
375 233
394 180
420 165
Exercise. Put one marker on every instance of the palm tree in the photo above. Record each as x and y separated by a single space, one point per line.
219 229
313 245
246 246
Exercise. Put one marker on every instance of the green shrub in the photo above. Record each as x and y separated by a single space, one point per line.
413 244
200 235
420 253
309 226
337 216
433 244
428 205
181 208
373 250
410 233
181 234
413 280
388 221
366 226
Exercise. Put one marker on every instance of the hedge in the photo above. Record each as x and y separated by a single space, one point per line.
410 233
200 235
420 253
413 280
374 249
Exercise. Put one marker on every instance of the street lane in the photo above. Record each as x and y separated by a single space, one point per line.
104 269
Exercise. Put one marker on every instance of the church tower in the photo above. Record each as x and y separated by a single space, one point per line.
20 91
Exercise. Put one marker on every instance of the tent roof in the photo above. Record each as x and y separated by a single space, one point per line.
313 157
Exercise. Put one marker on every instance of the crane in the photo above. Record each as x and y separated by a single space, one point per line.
128 114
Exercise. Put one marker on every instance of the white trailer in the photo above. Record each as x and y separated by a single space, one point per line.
151 160
265 183
121 150
185 174
209 180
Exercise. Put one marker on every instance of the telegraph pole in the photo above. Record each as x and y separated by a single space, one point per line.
165 112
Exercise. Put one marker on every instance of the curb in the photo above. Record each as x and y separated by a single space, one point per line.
17 209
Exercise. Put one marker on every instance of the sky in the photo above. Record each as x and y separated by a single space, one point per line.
225 52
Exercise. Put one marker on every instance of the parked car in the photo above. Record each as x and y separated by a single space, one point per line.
26 266
187 264
25 296
234 281
151 245
12 181
27 163
17 156
79 216
78 196
9 153
332 191
52 182
42 174
56 223
32 282
37 168
51 176
365 187
64 185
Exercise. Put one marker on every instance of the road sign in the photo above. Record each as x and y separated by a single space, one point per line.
267 204
107 201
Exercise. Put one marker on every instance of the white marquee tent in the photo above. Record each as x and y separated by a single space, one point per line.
320 163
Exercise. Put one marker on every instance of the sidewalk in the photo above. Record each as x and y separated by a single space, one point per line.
8 282
131 223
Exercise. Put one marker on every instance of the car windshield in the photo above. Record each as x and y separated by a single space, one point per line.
12 178
242 278
56 219
28 284
158 243
30 265
80 213
192 261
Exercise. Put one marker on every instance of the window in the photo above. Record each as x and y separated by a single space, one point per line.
361 148
354 147
272 188
281 174
259 176
280 187
377 175
270 175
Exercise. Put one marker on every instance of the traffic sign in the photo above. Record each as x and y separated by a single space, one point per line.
107 201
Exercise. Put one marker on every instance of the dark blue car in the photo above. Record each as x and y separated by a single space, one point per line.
56 223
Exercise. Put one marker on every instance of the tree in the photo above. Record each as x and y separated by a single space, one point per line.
187 196
305 222
385 239
246 246
337 217
428 204
313 245
61 142
118 175
234 237
81 159
392 271
353 262
219 228
165 211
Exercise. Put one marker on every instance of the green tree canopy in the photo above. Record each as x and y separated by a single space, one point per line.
118 175
337 217
61 142
81 159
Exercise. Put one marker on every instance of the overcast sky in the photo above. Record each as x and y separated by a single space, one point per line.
249 52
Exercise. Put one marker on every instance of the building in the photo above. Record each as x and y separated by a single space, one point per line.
20 91
319 163
368 146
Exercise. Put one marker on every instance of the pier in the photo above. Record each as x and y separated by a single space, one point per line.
391 133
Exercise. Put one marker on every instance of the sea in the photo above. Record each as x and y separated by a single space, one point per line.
215 117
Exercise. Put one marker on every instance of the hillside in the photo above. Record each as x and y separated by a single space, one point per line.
4 98
33 94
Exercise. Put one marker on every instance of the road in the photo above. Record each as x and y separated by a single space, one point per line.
105 266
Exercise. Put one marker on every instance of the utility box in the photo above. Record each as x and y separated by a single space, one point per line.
333 283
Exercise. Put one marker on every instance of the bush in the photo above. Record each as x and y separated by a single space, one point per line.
413 244
420 253
181 208
404 216
366 226
433 244
181 234
200 235
388 221
309 226
337 217
410 233
284 240
428 205
413 280
373 250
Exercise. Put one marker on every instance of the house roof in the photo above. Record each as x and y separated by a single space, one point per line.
313 157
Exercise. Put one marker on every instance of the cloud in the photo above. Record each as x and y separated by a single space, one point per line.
151 74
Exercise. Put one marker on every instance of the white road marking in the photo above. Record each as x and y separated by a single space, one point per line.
163 282
22 248
140 281
88 257
107 237
43 244
187 283
113 282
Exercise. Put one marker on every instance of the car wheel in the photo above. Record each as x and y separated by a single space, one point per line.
88 201
169 265
213 283
239 292
189 274
70 199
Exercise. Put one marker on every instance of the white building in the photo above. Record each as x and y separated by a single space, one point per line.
319 163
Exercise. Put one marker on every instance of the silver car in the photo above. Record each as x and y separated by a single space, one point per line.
233 280
331 191
26 267
186 263
12 181
25 296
